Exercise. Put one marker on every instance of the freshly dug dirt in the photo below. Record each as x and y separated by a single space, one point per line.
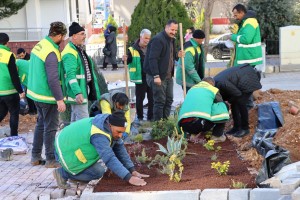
197 172
26 123
287 136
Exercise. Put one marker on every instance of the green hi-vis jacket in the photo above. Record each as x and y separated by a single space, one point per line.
76 75
38 88
135 67
6 85
199 102
76 153
193 69
23 68
248 43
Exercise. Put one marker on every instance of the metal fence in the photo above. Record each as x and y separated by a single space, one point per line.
27 34
95 51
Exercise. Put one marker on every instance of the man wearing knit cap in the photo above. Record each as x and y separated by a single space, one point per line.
81 80
88 147
193 61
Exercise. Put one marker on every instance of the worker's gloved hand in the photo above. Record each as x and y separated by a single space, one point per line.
124 136
139 175
137 181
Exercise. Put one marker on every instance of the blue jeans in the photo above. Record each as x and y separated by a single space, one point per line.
11 104
79 111
162 97
45 130
94 172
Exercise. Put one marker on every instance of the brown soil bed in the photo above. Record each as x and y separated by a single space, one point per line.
197 172
26 123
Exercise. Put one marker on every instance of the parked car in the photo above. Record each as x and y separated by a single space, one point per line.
217 47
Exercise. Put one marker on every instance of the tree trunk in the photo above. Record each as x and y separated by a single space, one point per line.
209 4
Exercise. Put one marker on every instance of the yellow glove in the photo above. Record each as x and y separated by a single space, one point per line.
234 28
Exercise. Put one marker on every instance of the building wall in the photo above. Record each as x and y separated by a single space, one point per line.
123 10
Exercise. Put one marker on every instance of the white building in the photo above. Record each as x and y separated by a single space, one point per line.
33 21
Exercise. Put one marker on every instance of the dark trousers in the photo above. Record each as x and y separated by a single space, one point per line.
202 125
162 97
11 104
140 91
45 130
240 112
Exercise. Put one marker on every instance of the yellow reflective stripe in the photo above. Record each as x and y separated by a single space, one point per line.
8 91
80 76
132 69
41 97
80 156
196 114
72 81
250 45
204 84
23 78
96 130
74 100
44 48
249 61
220 116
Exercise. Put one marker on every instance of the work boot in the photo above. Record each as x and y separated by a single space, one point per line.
38 162
241 133
6 154
222 138
60 181
52 164
232 131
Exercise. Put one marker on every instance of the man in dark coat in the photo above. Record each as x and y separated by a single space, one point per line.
236 85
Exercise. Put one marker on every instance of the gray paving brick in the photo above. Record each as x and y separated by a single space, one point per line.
159 195
239 194
213 194
44 197
264 194
285 197
296 194
289 185
57 193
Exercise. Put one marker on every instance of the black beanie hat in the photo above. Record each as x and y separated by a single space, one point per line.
75 28
118 119
198 34
4 38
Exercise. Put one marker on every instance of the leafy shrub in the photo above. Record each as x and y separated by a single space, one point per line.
163 128
143 158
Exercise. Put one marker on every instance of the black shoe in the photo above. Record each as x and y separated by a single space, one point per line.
114 69
104 68
241 133
232 131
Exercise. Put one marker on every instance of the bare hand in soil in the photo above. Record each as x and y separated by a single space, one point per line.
137 181
195 138
139 175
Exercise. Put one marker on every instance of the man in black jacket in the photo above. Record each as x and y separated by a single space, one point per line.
236 85
159 69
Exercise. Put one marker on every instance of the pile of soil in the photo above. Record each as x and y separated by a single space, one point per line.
26 123
197 173
287 136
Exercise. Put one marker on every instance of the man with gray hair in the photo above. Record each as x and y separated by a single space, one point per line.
135 59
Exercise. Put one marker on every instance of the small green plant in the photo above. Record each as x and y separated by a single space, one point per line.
143 158
138 138
214 157
218 148
170 163
222 169
163 128
238 184
209 145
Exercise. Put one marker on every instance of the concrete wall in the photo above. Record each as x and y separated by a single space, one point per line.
123 10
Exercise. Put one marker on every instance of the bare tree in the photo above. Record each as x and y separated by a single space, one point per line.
209 5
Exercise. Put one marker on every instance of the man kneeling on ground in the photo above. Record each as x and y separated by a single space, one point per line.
87 147
203 109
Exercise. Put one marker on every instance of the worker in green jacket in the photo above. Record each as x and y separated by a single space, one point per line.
193 61
87 147
81 80
203 109
10 87
248 40
45 87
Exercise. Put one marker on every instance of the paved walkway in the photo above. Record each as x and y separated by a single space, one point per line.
20 180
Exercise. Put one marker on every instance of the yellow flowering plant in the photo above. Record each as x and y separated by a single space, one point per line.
170 162
222 169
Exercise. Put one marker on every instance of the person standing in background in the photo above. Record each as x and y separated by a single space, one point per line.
10 87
